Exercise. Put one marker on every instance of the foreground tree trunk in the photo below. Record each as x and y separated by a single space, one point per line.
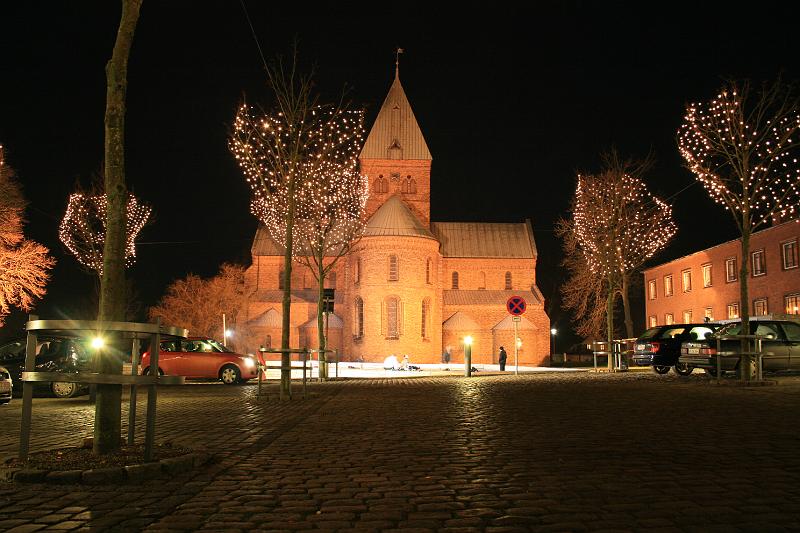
626 305
323 341
286 356
746 364
107 423
610 323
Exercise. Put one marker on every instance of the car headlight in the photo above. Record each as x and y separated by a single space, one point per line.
249 363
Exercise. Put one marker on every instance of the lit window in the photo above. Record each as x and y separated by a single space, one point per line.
392 318
707 275
730 269
508 281
669 319
686 280
708 313
454 284
668 285
653 321
687 316
760 307
651 289
733 310
394 274
759 263
792 304
359 319
789 253
426 308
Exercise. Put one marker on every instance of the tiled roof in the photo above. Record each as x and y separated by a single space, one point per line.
298 295
395 126
394 218
264 244
459 322
268 319
483 297
476 239
508 323
334 322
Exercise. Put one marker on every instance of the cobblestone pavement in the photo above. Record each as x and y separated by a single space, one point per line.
545 452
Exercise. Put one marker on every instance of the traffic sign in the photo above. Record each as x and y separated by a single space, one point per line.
516 305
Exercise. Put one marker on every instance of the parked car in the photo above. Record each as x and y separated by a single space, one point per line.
202 358
660 346
5 385
780 346
52 355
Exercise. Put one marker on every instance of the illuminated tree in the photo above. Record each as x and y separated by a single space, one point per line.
618 226
24 264
83 228
285 154
742 147
197 304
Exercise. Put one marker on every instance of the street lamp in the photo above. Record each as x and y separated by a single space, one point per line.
468 356
553 332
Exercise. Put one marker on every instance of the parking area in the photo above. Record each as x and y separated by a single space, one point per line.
536 452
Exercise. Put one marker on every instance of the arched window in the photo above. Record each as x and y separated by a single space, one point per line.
455 281
394 270
280 278
409 186
381 186
482 280
306 280
428 268
357 271
393 318
358 322
508 281
426 311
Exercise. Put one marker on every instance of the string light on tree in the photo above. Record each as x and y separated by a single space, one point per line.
83 228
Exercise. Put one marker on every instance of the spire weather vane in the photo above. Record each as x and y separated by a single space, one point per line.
398 51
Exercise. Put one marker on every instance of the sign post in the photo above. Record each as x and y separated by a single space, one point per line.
516 306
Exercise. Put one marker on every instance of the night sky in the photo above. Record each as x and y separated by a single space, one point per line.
512 102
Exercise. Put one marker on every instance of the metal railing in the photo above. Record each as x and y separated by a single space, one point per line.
757 353
621 349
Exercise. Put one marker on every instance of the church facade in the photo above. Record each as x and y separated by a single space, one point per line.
410 286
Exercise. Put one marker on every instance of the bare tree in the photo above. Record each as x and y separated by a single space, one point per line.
24 264
742 146
618 225
282 154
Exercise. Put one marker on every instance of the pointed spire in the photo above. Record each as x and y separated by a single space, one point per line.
397 63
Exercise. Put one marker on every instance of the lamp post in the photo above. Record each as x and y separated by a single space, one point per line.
553 332
224 331
468 356
518 345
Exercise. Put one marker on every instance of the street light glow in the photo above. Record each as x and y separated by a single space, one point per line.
553 331
468 340
98 342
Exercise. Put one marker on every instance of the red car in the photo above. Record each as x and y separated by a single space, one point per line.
202 358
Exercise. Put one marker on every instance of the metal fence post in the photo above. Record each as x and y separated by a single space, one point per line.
27 394
132 404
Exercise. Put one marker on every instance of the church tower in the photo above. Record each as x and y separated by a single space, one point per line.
396 158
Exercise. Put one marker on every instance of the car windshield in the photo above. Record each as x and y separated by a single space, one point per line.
661 333
218 346
12 351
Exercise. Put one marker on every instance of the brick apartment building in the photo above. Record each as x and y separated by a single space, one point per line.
705 284
412 286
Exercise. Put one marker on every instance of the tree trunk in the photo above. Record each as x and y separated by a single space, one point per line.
107 424
323 367
745 365
610 323
626 305
286 356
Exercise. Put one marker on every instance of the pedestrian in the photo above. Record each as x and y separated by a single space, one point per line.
502 359
446 355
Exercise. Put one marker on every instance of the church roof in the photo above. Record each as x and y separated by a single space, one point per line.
268 319
394 218
334 322
264 244
507 323
459 322
484 297
478 239
395 133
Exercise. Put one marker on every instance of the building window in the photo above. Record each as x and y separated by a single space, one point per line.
730 269
651 289
686 280
392 318
409 186
394 273
687 316
707 275
708 313
792 304
426 311
759 263
653 321
789 253
280 278
733 310
508 281
669 319
668 285
482 280
357 271
358 330
454 284
428 268
381 185
760 307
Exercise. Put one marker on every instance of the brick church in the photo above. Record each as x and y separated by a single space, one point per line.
411 286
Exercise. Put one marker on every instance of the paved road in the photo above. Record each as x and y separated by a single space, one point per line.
547 452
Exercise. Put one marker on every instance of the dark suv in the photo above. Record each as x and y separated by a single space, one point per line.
52 355
660 347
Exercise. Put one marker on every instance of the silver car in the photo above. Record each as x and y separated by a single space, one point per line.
5 385
780 346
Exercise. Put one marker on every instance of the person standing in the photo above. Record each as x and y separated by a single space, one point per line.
502 359
446 355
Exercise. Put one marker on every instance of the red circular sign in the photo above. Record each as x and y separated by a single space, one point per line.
516 305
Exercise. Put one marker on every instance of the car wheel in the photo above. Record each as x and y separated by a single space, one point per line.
230 375
683 369
61 389
711 372
660 369
146 372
